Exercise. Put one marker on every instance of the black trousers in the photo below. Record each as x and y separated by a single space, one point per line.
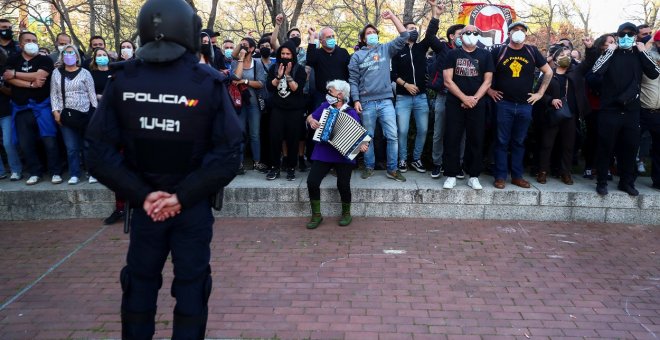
564 134
590 140
188 238
285 126
650 121
28 137
618 131
320 170
472 122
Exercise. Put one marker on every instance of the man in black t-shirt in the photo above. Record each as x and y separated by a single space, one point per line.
29 76
8 48
513 80
468 74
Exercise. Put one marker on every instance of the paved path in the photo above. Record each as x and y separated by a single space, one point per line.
377 279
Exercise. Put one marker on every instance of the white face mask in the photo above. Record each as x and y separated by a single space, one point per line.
128 52
61 48
518 37
470 40
31 49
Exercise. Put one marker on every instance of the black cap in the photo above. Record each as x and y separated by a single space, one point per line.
211 33
628 25
518 23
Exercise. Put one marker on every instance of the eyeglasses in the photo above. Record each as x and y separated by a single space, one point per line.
623 34
475 33
69 52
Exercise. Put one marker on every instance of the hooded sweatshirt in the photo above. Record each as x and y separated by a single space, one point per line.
369 70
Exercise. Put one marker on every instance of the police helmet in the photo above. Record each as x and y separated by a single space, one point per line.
167 29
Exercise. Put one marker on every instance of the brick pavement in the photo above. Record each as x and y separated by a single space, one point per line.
378 279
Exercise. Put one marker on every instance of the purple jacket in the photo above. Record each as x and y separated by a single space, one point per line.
325 152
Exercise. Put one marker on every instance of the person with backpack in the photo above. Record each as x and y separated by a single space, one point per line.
513 80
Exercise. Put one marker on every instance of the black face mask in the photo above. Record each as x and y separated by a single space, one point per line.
7 34
296 41
206 49
413 36
265 52
285 61
244 48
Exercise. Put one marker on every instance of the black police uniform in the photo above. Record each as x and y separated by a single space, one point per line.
179 133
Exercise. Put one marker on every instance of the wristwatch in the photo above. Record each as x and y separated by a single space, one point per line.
246 81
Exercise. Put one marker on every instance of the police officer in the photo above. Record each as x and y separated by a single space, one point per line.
181 142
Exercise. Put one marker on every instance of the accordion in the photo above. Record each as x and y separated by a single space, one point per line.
340 130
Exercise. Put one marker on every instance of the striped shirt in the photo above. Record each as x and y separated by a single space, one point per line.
80 93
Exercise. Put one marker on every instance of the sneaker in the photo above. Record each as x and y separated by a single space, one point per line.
241 170
57 179
302 164
450 183
93 180
460 174
601 189
629 189
114 217
641 168
473 183
15 176
417 165
396 175
4 175
403 166
261 167
291 174
437 172
32 180
609 175
367 172
73 180
588 174
273 173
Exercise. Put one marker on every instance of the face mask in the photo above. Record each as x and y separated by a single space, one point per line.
228 53
372 39
518 37
206 49
332 100
331 43
564 61
31 49
61 48
102 60
626 42
69 59
296 41
645 39
285 61
128 52
264 51
413 35
459 42
7 34
470 40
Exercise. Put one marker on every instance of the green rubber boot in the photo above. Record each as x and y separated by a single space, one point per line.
316 215
346 217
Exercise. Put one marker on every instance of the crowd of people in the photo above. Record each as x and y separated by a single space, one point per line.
500 108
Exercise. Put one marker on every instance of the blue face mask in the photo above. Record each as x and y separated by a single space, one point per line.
228 53
372 39
645 39
459 42
626 42
102 61
331 43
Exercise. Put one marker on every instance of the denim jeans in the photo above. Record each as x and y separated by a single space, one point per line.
12 153
383 111
419 106
513 120
250 119
439 129
73 141
28 139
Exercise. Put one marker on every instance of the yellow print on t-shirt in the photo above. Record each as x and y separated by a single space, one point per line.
516 67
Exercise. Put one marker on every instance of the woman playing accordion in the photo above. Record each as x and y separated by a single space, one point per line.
326 157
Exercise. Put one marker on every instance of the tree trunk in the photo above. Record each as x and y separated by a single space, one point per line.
92 17
214 9
117 25
408 9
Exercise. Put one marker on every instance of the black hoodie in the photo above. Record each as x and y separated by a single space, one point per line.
284 98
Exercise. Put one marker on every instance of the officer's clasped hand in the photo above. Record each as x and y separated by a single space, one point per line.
160 206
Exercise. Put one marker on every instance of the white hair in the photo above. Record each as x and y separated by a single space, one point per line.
75 50
342 87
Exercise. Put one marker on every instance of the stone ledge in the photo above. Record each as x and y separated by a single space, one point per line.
421 196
